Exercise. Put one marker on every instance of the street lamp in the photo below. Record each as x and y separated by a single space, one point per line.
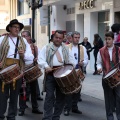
34 4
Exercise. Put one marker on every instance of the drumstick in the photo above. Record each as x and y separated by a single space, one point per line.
56 68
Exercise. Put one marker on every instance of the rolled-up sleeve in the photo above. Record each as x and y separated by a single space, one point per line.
99 61
42 58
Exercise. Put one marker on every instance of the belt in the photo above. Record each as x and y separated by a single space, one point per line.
11 61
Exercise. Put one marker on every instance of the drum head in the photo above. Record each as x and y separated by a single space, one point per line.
110 73
63 71
8 68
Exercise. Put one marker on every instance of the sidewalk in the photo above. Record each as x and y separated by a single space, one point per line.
92 85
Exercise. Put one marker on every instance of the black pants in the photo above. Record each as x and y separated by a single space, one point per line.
54 99
22 103
13 98
71 101
95 57
109 94
28 92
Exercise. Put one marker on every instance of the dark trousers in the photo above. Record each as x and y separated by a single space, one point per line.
54 99
28 92
109 94
71 101
13 98
95 64
22 103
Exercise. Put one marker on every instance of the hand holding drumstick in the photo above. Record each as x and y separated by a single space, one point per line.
81 63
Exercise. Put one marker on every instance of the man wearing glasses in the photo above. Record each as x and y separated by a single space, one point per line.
12 48
81 59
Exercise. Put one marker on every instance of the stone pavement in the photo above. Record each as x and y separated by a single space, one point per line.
92 85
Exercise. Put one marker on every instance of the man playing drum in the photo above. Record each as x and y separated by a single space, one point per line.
33 85
107 59
13 49
81 59
53 55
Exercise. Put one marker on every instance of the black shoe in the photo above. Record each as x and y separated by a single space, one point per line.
77 111
37 111
21 113
39 98
26 106
66 113
80 99
95 73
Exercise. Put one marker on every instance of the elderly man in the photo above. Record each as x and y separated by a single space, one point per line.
53 55
12 48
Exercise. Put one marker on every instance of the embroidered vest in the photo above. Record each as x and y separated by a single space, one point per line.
50 51
4 48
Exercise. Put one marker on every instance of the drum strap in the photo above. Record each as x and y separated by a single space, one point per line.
16 48
117 58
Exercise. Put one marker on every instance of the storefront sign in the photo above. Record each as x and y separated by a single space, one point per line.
87 4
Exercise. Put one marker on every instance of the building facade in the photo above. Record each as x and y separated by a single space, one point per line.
86 16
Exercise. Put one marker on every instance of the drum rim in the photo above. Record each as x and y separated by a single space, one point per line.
61 68
117 69
15 66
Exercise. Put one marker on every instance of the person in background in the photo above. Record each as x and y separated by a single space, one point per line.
81 59
68 38
88 47
98 43
51 38
33 85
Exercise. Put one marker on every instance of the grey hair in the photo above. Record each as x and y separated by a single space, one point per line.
27 31
75 33
69 34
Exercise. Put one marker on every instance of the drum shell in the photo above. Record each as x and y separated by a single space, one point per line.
80 74
113 79
32 74
68 84
10 75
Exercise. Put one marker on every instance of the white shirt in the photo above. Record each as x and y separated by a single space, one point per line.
99 59
42 58
28 56
75 54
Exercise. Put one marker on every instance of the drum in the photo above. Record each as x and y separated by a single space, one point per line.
113 78
67 79
80 74
10 74
32 73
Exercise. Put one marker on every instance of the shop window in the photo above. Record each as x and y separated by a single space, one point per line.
20 6
23 7
71 10
103 23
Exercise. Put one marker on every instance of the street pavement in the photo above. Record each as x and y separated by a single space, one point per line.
92 105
